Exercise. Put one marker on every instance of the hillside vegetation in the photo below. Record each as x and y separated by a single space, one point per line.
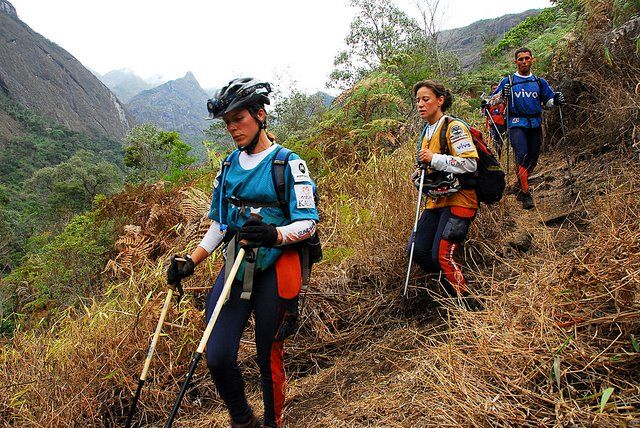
557 344
48 173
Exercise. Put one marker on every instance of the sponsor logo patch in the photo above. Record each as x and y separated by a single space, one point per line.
463 146
299 170
526 94
304 196
457 132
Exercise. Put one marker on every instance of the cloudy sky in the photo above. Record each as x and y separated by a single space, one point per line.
282 40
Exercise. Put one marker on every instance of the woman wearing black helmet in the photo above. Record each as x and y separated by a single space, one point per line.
447 152
248 211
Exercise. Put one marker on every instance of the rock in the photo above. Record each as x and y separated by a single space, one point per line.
521 241
178 105
45 78
559 218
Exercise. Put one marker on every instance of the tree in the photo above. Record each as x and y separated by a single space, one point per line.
432 15
219 138
297 114
153 154
366 120
70 187
379 30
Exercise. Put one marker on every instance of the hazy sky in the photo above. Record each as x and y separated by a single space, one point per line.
218 40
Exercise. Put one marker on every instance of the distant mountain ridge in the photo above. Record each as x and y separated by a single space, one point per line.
468 42
45 78
326 98
178 105
124 83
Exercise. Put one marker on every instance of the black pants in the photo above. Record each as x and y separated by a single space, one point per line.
440 232
222 348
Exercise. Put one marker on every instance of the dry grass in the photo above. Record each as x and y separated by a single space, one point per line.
599 72
358 360
561 324
557 332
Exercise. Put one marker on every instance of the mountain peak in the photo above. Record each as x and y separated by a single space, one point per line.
8 8
190 76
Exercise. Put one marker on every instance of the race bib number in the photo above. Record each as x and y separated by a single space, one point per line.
299 170
304 196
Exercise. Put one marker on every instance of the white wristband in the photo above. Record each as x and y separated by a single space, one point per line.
212 238
297 231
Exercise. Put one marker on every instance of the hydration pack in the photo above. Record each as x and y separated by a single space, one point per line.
310 249
513 111
488 180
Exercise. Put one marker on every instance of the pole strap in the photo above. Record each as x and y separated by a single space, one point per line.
249 269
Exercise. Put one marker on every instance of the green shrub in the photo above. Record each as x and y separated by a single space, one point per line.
527 30
58 270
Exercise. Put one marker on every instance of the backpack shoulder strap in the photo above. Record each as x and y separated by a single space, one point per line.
422 134
277 174
444 146
226 163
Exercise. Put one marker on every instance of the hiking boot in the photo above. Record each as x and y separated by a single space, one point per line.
527 201
513 189
251 423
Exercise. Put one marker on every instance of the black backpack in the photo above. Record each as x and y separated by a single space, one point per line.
488 180
311 248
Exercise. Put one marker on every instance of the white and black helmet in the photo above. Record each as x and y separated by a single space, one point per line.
240 92
438 184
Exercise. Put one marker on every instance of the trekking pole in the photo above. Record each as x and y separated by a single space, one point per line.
497 132
506 110
564 147
205 337
413 233
152 347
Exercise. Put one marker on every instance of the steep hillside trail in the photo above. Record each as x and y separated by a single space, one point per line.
388 375
354 391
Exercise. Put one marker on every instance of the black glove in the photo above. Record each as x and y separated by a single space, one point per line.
256 233
483 104
178 270
506 90
558 98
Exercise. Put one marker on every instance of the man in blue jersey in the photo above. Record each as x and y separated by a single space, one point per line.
525 94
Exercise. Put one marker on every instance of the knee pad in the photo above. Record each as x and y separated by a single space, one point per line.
456 229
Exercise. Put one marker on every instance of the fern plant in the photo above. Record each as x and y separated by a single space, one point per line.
366 119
